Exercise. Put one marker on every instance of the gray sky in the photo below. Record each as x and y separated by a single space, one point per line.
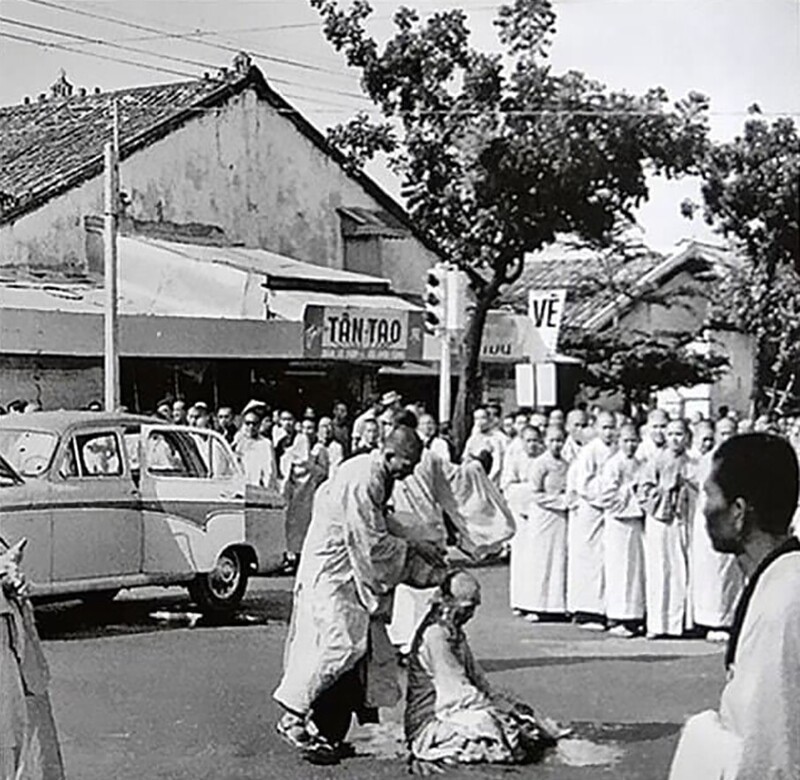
736 51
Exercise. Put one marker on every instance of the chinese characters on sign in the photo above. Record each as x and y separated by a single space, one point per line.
349 333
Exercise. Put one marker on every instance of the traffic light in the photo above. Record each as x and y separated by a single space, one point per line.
436 298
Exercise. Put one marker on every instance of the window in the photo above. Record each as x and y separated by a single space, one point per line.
216 458
133 441
174 454
98 455
28 452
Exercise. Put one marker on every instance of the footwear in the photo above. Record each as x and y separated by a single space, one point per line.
532 617
321 752
517 613
591 626
621 631
292 730
717 636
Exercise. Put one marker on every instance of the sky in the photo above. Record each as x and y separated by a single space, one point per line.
738 52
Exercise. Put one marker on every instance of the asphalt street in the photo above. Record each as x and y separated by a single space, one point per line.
143 688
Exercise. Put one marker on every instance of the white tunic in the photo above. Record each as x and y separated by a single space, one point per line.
623 538
535 488
585 579
715 579
756 734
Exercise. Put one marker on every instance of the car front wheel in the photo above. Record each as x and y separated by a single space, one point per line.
221 589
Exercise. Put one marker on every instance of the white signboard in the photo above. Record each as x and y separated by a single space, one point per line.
546 309
510 338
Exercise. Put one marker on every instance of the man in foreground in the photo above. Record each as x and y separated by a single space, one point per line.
452 714
751 495
338 660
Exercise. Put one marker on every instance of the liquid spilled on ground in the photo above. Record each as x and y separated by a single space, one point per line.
384 741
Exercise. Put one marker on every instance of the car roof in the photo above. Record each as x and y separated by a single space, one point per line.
62 420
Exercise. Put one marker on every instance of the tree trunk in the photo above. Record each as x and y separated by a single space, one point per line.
469 386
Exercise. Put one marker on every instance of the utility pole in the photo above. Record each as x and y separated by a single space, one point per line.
111 328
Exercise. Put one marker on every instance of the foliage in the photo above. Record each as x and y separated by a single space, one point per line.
751 193
635 364
498 154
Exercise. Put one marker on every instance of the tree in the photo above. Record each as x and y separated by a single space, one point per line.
751 195
496 153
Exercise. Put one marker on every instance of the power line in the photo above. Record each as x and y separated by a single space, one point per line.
109 58
182 60
101 42
146 28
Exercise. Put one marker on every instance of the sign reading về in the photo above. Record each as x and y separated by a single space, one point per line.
352 333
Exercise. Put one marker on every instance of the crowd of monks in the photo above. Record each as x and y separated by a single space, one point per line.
610 527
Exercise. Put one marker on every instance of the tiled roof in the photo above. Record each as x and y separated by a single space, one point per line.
593 281
50 146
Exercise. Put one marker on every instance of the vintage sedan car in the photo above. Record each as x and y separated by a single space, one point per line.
110 501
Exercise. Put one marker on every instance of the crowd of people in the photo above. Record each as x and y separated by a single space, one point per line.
621 527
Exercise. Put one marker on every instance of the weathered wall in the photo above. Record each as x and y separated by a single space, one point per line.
245 168
57 383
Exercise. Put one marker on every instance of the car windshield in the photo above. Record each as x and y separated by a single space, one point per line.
28 452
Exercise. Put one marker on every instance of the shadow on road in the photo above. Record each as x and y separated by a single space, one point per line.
78 620
506 664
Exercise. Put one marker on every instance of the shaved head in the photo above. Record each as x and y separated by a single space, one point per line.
658 415
462 587
402 450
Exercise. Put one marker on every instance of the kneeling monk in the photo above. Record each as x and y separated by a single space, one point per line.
338 660
452 714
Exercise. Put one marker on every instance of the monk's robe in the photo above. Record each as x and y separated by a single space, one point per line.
585 563
756 733
623 538
715 579
669 492
305 467
535 488
474 506
349 567
452 715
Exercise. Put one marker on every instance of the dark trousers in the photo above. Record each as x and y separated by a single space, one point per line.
333 710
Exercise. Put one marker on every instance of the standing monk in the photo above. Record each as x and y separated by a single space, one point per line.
535 487
305 467
623 536
585 581
337 645
29 747
668 483
714 578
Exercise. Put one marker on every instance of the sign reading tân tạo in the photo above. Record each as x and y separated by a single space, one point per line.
350 333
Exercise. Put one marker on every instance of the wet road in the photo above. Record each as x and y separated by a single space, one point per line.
146 688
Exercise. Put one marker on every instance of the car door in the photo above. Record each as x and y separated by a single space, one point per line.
193 501
97 524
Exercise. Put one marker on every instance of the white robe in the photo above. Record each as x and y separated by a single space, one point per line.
623 539
585 561
667 486
257 457
715 578
349 565
756 735
535 488
474 505
305 467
